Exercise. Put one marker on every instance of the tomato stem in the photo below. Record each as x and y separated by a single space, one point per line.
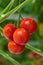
28 46
19 14
8 7
2 18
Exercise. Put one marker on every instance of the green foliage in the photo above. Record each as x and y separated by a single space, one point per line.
36 42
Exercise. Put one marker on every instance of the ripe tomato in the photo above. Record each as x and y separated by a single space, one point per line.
8 31
29 24
37 56
31 54
15 48
21 36
34 55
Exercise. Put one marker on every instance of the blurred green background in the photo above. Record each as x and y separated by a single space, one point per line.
33 10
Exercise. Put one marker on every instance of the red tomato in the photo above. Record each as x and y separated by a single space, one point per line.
21 36
37 56
8 31
31 54
34 55
29 24
14 48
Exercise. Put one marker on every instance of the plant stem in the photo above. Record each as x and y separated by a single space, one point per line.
1 31
5 55
14 10
34 49
1 28
19 15
8 7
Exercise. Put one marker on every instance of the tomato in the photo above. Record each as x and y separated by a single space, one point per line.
31 54
8 31
15 48
21 36
37 56
34 55
29 24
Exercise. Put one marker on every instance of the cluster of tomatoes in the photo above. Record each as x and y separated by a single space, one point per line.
34 55
18 37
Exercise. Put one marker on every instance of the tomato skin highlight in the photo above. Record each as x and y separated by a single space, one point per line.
21 36
29 24
14 48
8 31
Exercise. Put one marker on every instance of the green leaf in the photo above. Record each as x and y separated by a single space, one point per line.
38 51
4 16
8 7
5 55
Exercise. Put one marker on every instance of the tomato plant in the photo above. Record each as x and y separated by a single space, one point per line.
21 32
